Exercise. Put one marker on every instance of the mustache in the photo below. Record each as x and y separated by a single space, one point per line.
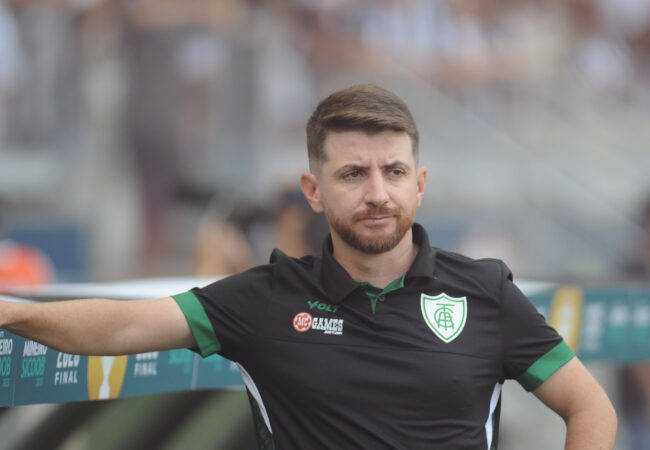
375 212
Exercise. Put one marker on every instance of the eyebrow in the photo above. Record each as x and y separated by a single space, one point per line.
396 165
352 166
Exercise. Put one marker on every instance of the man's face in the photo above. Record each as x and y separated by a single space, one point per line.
369 188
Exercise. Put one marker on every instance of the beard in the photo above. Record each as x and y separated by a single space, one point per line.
371 245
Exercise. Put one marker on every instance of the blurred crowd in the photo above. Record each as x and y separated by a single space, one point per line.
125 121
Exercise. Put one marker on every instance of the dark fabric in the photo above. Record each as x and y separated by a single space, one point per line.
333 374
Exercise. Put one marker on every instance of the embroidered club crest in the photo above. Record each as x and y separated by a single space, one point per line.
445 315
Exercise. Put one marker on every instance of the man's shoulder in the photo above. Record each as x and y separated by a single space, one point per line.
453 258
291 274
279 258
285 266
485 270
280 269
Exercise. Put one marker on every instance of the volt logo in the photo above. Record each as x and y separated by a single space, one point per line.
321 306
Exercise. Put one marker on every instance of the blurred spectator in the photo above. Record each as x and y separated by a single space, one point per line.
230 236
221 249
298 230
639 266
601 62
151 115
174 58
629 20
635 391
220 246
21 264
10 63
635 380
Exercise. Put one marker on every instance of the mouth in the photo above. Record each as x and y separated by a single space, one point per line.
375 220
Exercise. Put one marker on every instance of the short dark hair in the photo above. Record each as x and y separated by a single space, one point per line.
368 108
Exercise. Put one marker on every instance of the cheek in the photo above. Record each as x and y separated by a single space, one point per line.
339 198
327 203
407 195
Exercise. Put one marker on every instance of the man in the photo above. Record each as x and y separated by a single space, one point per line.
381 341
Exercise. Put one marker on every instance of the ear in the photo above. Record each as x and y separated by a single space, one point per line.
421 184
310 188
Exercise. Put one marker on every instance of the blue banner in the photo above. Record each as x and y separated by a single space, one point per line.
601 324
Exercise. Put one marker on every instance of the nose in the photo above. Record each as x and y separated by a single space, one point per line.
376 193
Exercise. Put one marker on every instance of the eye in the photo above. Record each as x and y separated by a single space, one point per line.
352 174
396 172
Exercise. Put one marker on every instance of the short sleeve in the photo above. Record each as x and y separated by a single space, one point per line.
224 315
532 349
206 339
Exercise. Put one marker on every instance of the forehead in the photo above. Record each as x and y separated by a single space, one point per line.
359 146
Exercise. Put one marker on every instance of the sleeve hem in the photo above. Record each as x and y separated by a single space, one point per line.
545 366
199 322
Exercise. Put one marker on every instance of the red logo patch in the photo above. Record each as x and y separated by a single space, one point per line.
302 322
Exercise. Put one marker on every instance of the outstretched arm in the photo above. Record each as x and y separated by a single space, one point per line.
576 396
100 326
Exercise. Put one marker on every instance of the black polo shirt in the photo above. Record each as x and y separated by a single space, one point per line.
333 363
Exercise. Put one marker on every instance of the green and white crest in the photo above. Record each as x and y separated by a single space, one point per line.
445 315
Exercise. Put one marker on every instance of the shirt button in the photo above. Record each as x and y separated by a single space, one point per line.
381 298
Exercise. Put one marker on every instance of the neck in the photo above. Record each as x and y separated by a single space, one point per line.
381 269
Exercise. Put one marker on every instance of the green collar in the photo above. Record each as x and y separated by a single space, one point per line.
338 284
377 294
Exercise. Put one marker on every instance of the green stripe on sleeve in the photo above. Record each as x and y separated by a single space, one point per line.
201 327
546 366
